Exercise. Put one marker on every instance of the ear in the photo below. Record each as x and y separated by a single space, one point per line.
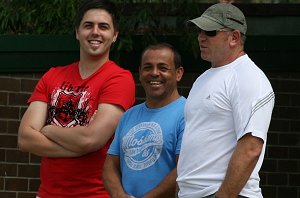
76 32
235 38
179 73
115 37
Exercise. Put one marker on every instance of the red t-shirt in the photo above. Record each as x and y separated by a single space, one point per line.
71 102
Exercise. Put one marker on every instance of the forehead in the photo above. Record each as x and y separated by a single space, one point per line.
97 16
163 55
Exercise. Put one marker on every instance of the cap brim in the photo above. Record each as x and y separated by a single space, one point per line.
206 24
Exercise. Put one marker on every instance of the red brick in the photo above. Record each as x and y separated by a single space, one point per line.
8 170
8 141
18 98
16 184
34 158
2 155
1 184
3 126
9 84
13 126
17 156
28 85
9 112
3 98
8 194
34 184
26 195
29 171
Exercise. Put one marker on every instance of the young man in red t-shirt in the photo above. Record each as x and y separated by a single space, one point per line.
74 109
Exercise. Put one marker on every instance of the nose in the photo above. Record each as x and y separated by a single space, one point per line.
201 36
95 30
154 71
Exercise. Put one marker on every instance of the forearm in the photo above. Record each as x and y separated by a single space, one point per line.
86 139
112 178
75 139
113 185
30 140
240 167
166 188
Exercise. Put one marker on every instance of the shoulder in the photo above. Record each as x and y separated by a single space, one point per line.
62 68
248 75
176 108
56 72
111 71
116 69
132 113
178 105
135 108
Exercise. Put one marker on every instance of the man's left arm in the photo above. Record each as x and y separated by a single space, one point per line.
166 188
241 165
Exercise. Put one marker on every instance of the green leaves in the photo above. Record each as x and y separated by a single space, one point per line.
37 17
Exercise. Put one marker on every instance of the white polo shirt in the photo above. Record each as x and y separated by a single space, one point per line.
224 104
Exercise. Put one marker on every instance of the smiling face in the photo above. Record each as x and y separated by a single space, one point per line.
96 34
159 76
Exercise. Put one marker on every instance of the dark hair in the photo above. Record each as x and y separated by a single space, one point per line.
86 5
177 56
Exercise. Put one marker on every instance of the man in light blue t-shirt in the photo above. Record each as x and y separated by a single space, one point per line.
142 158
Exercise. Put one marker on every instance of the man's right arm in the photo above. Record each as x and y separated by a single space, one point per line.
112 177
30 139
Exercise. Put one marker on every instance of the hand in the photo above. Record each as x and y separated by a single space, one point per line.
123 195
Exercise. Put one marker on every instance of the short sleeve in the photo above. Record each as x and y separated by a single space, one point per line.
114 148
40 91
260 118
180 130
253 102
119 89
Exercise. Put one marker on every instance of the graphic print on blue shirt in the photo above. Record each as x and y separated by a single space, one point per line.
142 145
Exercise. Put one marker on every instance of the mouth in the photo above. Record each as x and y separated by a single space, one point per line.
95 43
155 83
202 47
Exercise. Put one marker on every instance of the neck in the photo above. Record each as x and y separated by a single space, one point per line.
87 66
154 103
230 58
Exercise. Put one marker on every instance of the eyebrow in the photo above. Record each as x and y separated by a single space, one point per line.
101 23
161 64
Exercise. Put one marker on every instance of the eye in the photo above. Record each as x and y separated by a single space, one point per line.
103 26
146 67
88 25
163 68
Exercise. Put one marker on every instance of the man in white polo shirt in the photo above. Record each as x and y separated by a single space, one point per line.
227 113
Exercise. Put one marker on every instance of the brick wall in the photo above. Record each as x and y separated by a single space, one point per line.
280 175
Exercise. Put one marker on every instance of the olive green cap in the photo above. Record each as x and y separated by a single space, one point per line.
221 15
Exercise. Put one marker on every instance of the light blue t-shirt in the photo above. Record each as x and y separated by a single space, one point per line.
147 142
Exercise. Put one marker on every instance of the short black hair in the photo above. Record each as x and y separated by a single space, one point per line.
177 56
86 5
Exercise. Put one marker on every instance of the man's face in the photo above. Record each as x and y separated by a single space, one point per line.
159 76
214 48
96 33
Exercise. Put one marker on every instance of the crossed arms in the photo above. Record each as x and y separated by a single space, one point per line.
54 141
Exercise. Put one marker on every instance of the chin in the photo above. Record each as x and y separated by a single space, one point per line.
203 57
